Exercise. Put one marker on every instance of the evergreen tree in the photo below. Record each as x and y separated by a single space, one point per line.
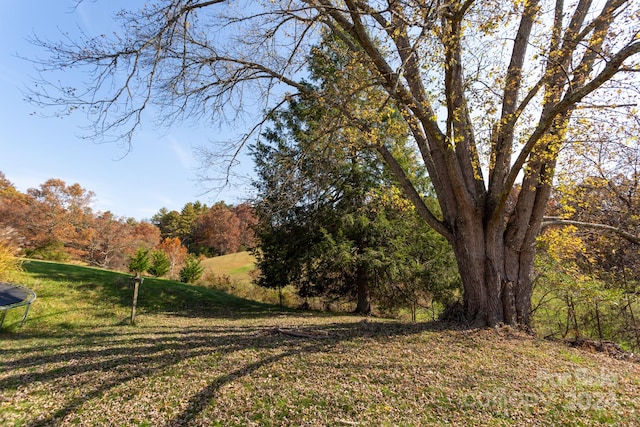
192 270
331 219
159 264
139 262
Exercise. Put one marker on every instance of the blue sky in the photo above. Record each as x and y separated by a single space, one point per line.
159 172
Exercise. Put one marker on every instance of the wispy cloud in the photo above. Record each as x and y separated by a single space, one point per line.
85 17
184 156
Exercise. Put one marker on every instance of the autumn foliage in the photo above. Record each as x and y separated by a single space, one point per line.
8 261
589 271
175 252
219 230
55 221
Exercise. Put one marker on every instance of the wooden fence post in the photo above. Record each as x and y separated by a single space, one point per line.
136 285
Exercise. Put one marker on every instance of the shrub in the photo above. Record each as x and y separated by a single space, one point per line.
52 251
286 297
139 263
9 264
160 264
192 270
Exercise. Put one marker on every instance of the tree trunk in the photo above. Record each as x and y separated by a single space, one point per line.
491 296
497 278
362 283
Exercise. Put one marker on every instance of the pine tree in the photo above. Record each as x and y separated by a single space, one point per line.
192 270
159 264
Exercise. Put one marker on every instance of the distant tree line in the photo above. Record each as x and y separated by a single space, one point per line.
55 222
211 231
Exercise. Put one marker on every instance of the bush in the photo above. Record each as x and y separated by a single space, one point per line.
287 296
221 283
139 263
53 251
9 264
160 264
192 270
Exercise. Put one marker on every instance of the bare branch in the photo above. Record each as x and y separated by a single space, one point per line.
569 101
413 195
554 221
502 147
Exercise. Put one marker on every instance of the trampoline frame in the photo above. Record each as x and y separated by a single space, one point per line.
30 298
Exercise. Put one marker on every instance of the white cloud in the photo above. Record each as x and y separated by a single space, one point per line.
85 17
184 156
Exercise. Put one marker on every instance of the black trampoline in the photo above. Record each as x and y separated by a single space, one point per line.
14 296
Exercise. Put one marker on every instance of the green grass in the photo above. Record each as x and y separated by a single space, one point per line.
233 274
199 357
82 296
237 266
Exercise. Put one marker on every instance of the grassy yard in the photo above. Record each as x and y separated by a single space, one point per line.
199 357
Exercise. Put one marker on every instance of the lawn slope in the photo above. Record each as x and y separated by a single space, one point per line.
237 266
202 358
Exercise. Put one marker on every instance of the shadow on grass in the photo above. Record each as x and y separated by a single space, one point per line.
81 368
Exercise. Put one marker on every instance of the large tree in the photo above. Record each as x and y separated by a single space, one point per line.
217 231
487 88
108 241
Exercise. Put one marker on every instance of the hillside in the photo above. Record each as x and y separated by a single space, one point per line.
198 357
237 266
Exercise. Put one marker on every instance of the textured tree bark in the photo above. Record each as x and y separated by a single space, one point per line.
497 283
362 282
496 264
